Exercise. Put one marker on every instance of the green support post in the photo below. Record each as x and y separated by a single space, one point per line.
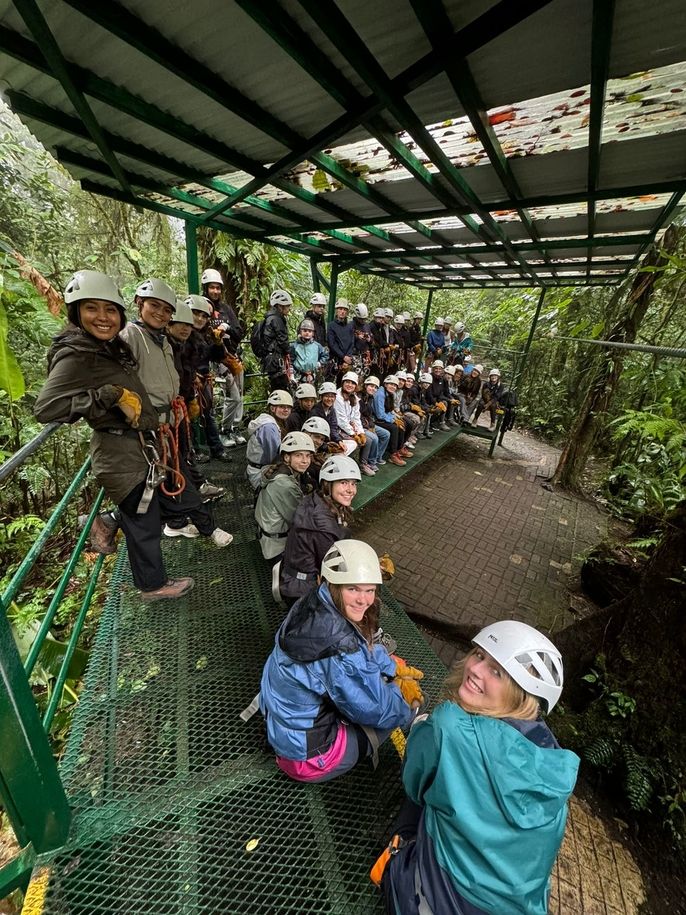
192 257
332 291
30 787
527 347
425 327
314 272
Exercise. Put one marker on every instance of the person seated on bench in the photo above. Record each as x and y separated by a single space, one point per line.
326 410
320 520
491 394
266 432
318 430
329 694
281 492
487 786
306 398
372 456
469 393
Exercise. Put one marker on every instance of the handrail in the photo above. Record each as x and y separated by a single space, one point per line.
27 450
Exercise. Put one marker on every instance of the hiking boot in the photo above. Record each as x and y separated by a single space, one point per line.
397 459
227 439
221 456
383 638
221 538
491 428
366 469
380 463
405 453
175 587
210 491
444 427
103 535
201 457
188 530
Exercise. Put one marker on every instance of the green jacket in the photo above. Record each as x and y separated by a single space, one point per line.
156 367
83 373
277 501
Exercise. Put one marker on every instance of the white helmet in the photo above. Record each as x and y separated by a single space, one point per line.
438 364
318 299
447 320
91 284
306 324
317 426
182 313
494 372
478 368
280 297
401 375
388 312
327 387
343 303
199 303
361 311
305 391
467 359
407 315
157 289
458 367
211 276
450 369
425 378
518 647
351 562
400 319
459 327
418 314
351 376
296 441
372 379
280 399
391 379
339 467
439 322
380 313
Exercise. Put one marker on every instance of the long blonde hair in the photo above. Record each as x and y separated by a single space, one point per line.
517 703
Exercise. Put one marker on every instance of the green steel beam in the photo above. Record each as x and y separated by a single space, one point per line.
601 40
62 71
333 291
190 232
30 787
662 219
489 25
436 24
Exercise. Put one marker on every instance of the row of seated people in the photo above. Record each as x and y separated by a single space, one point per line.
486 783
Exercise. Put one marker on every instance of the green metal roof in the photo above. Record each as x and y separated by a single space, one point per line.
464 144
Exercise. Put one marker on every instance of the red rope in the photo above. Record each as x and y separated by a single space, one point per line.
169 443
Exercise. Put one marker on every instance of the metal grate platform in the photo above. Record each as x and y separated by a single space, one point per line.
168 784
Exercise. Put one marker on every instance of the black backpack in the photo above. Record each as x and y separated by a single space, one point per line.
257 343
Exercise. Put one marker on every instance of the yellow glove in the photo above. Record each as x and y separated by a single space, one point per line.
441 407
130 404
193 410
361 439
387 567
399 422
418 348
334 448
410 690
415 408
412 673
454 402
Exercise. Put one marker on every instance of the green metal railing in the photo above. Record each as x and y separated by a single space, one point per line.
31 789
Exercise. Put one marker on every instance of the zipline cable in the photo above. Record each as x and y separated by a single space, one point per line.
672 352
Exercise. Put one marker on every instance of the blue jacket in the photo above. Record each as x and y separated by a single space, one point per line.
321 671
341 339
494 793
435 339
457 346
380 406
307 355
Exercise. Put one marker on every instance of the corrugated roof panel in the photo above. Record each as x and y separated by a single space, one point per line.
644 160
646 37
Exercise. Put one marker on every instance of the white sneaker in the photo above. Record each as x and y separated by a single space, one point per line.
238 438
190 531
492 427
221 538
228 440
210 490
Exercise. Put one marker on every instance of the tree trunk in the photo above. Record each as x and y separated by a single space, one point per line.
606 376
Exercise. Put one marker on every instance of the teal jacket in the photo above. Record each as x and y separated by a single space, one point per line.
495 806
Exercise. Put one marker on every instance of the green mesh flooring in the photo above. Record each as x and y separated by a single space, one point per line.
168 784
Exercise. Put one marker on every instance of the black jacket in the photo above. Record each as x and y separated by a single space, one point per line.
362 336
276 333
295 421
330 417
340 338
313 530
233 336
319 326
440 390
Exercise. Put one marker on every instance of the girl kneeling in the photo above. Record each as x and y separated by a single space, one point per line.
327 692
281 493
487 786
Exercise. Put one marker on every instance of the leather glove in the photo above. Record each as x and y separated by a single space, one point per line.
415 408
418 348
441 407
130 404
413 673
410 690
361 439
193 410
454 402
335 448
399 422
387 567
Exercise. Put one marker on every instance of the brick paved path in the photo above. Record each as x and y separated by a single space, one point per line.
477 540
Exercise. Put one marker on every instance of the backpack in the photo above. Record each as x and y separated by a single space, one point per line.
257 343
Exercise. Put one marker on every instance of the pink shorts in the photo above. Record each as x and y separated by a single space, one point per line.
311 770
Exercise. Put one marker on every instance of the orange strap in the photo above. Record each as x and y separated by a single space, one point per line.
377 871
169 440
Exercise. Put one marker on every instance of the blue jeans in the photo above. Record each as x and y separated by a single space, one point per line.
370 451
381 437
